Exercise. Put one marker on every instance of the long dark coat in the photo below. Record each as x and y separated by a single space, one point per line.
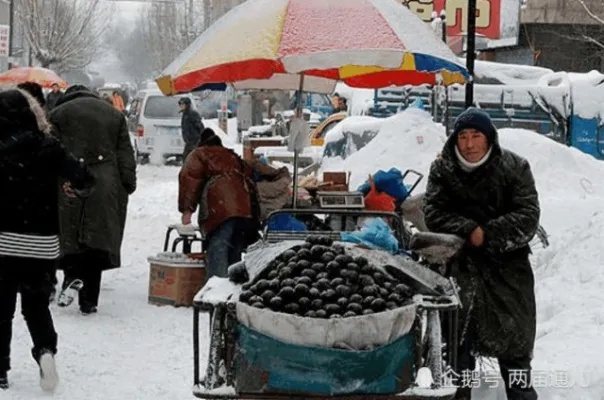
496 280
97 135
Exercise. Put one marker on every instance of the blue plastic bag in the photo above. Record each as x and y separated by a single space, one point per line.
285 222
256 175
375 234
418 103
390 182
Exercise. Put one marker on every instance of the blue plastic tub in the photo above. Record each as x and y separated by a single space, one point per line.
266 365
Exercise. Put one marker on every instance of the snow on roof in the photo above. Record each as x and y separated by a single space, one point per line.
508 74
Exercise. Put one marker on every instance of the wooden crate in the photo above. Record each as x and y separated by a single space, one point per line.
173 283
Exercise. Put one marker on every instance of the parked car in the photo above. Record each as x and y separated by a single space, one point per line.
154 119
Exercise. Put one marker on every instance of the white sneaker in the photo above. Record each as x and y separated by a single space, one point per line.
49 379
68 295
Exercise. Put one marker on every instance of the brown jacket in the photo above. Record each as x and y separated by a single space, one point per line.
217 180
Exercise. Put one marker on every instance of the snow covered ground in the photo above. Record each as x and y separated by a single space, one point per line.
130 349
133 350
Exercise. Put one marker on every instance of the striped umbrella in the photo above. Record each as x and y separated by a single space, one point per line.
42 76
263 44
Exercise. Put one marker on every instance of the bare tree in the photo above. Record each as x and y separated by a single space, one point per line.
169 28
130 45
599 20
63 34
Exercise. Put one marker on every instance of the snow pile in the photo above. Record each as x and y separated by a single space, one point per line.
568 274
588 94
508 74
353 125
560 171
570 304
406 140
411 139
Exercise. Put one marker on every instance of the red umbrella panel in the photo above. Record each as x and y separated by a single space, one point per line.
42 76
363 43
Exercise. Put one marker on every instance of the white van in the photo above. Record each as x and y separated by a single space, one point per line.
154 120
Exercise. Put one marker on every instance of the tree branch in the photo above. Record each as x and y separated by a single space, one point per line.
580 37
591 14
62 33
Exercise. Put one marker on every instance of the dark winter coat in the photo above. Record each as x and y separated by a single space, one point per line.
499 196
97 134
191 126
52 99
219 182
31 164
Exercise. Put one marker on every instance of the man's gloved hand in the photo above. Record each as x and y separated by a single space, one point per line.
74 193
186 218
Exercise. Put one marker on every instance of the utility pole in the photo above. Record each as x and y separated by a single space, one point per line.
11 24
443 18
471 51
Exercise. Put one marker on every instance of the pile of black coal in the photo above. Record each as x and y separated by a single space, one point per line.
319 280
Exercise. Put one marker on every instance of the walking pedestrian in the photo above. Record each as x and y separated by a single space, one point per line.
35 90
191 126
92 229
31 163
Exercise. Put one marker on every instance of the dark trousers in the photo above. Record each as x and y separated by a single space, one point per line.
189 147
518 369
52 274
88 267
225 245
30 277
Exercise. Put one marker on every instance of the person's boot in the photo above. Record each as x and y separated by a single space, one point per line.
49 379
87 310
69 292
3 380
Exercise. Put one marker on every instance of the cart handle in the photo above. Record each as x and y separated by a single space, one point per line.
419 178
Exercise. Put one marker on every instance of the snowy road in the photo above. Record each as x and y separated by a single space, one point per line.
130 349
133 350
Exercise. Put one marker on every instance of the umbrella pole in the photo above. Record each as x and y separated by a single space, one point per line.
299 108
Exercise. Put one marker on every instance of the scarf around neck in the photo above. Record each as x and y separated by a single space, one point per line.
469 166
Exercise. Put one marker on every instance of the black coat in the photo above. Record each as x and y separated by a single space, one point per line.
97 134
52 99
496 280
31 165
191 127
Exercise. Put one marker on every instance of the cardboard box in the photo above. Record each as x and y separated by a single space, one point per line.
173 283
337 178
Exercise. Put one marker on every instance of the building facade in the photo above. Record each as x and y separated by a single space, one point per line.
558 34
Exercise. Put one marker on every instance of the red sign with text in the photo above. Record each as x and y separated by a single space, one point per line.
488 15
